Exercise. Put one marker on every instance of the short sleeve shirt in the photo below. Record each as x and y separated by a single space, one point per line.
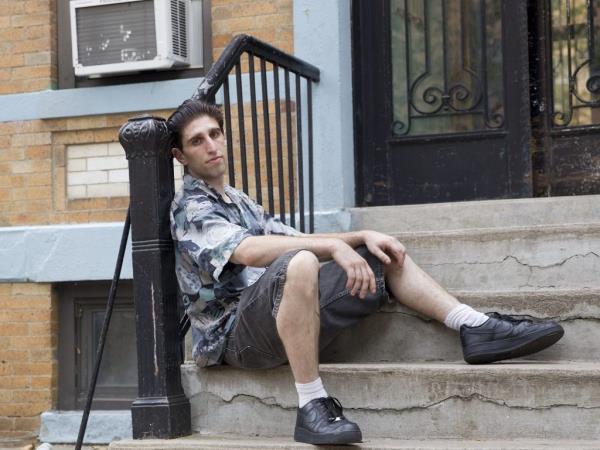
206 230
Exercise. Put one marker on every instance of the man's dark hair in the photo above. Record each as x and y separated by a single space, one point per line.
188 111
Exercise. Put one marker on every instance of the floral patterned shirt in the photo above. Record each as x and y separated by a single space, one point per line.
206 230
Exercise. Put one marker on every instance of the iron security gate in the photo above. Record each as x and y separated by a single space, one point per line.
442 100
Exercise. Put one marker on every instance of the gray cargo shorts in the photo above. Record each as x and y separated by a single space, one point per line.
254 343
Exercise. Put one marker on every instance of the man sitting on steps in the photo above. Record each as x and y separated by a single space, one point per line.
258 297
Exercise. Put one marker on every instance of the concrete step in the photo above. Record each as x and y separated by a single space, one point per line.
538 257
397 334
478 214
200 442
409 401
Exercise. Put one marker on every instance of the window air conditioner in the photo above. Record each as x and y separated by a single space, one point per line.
118 36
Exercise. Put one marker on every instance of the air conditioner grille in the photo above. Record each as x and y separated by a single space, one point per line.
179 28
119 32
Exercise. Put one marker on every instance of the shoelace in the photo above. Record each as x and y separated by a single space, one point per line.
513 318
334 407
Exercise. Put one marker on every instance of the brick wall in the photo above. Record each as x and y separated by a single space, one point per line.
28 355
27 45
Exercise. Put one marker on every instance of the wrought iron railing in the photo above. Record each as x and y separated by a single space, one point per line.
161 409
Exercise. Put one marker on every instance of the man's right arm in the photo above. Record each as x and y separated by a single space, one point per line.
261 251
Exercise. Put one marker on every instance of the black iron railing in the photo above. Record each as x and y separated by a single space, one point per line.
243 49
290 152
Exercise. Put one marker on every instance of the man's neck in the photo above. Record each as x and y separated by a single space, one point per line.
217 184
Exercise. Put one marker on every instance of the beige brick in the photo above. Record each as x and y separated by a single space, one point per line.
34 368
27 423
107 163
38 6
118 176
40 180
14 329
23 409
39 395
12 154
87 150
40 328
14 382
42 381
7 423
36 59
75 192
31 289
106 135
38 152
87 177
32 166
31 72
76 164
14 354
115 149
27 20
46 355
11 60
119 203
27 139
108 190
86 123
88 203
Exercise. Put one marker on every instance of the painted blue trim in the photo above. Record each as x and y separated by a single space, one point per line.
96 100
79 252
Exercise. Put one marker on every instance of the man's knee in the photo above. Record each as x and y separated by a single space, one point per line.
304 265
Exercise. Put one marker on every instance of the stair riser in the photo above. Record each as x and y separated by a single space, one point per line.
478 214
407 404
509 261
396 337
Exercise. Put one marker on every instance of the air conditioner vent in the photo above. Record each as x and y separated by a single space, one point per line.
179 28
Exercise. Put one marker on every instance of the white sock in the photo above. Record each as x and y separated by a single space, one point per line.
464 315
310 391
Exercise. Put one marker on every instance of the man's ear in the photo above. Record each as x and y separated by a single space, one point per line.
178 154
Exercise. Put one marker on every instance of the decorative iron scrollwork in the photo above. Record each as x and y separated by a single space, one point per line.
145 137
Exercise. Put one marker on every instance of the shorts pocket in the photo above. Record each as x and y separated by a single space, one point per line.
253 358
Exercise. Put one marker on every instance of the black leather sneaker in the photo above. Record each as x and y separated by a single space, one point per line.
504 337
321 421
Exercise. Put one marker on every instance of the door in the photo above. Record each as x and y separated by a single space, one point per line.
441 100
565 74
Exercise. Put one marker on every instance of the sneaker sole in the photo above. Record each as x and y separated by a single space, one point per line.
533 345
345 437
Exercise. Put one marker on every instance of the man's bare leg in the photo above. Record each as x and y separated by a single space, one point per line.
413 287
298 319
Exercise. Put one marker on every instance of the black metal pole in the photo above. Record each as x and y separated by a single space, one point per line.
107 316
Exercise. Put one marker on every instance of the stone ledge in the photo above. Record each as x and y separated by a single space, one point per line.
62 427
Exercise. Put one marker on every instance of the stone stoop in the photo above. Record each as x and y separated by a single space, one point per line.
534 400
403 378
200 442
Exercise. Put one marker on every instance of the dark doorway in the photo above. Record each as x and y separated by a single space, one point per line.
565 88
442 108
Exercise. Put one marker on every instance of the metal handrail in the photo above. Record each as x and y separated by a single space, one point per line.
244 43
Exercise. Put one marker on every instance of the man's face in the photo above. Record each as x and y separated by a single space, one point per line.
203 149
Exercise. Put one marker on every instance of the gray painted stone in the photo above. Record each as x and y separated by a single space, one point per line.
316 22
479 214
537 257
397 334
416 401
52 104
62 253
199 442
103 426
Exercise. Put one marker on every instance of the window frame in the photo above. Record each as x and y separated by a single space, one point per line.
73 365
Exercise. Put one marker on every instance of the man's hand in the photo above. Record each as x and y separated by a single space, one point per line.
386 248
361 278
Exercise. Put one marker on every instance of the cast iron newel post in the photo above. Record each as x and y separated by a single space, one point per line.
161 409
